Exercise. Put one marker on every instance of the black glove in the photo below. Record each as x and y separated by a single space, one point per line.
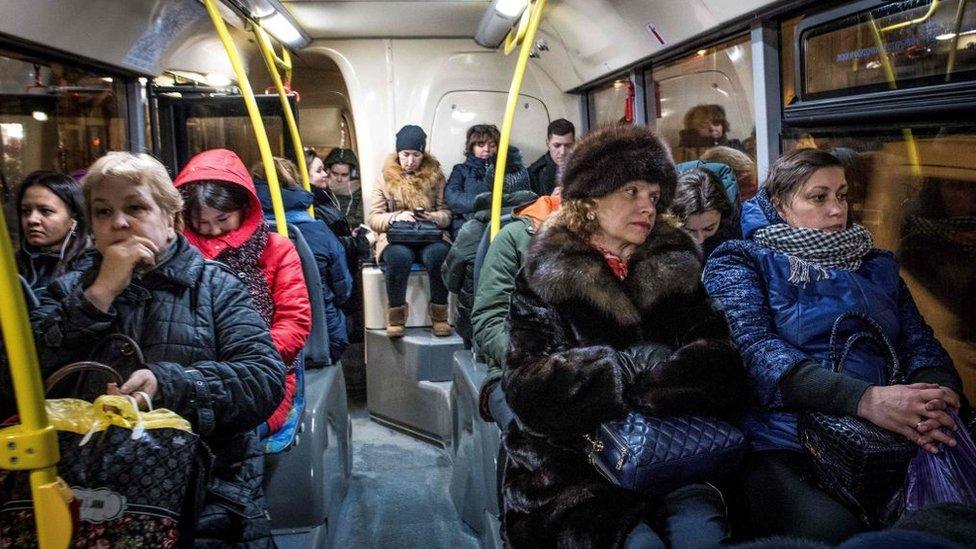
639 358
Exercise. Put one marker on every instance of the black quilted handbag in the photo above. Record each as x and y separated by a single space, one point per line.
856 461
657 455
414 232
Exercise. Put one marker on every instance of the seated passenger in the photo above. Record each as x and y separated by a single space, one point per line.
703 208
544 172
224 221
801 266
343 171
330 258
208 352
741 164
605 280
411 188
53 228
458 269
706 126
477 174
327 207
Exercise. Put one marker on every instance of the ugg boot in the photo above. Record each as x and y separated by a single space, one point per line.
438 319
396 320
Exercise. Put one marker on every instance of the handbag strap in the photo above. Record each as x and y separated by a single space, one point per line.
83 366
837 354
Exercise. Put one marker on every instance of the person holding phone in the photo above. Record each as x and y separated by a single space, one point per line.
411 188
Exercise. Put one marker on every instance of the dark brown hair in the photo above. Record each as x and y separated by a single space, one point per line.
68 191
699 190
218 195
560 126
481 133
790 171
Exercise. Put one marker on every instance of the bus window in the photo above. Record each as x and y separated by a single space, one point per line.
705 100
787 37
54 117
608 103
235 133
924 213
925 42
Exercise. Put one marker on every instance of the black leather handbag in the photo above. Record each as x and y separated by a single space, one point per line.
657 455
414 232
856 461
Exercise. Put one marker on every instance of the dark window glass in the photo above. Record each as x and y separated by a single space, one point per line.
902 44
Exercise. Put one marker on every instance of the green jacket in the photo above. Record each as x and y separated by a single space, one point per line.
496 280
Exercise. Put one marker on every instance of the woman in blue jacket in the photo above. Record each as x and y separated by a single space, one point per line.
329 253
803 264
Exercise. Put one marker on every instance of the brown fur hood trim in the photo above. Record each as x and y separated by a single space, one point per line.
418 189
561 267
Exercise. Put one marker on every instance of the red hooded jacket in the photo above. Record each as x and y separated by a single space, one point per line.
280 263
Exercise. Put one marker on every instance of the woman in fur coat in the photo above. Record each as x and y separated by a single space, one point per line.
608 282
411 188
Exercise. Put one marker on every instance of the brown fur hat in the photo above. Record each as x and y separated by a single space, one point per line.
606 158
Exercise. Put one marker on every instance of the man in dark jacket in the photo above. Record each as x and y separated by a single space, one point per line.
458 269
544 172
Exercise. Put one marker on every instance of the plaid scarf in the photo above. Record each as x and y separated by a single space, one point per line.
245 261
813 249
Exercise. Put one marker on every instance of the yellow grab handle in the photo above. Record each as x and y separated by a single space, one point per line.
253 113
513 96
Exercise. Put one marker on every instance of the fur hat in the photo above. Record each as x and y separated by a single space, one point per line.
606 158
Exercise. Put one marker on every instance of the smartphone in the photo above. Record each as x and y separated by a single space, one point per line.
420 212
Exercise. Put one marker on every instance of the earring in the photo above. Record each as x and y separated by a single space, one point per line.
590 216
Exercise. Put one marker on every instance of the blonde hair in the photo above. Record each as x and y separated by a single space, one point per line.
288 174
136 169
579 217
735 159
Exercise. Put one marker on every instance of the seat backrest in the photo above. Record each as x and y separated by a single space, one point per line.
317 346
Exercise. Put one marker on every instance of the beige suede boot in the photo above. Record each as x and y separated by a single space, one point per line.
396 320
438 319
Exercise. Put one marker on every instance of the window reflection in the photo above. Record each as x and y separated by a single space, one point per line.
925 212
609 103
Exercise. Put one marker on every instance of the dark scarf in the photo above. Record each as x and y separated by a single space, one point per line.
245 261
812 249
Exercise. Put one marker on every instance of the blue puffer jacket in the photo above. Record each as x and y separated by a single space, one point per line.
329 255
470 179
777 325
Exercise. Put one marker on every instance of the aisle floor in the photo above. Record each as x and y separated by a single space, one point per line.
398 494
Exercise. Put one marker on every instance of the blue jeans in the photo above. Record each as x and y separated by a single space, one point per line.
396 264
691 517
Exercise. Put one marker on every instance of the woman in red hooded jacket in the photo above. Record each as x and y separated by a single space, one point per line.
224 220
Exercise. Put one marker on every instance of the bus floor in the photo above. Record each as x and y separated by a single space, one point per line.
398 493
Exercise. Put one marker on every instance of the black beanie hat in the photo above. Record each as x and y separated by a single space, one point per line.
606 158
411 138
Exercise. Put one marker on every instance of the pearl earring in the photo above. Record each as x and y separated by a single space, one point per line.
591 216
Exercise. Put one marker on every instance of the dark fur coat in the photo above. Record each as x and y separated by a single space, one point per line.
570 318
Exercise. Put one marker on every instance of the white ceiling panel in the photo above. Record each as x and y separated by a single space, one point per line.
388 19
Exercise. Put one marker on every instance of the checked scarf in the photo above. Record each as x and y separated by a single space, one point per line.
813 249
245 261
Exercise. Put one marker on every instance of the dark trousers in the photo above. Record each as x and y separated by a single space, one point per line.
396 264
781 492
691 517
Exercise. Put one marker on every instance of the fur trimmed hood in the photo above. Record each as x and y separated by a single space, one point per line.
561 268
412 188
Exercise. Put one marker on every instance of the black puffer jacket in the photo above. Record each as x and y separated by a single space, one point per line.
570 322
213 357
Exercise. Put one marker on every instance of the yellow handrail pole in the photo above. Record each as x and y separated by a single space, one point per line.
932 7
253 112
33 444
264 44
286 61
509 120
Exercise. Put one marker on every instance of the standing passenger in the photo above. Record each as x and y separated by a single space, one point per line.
803 264
224 221
544 173
54 228
208 354
411 188
606 283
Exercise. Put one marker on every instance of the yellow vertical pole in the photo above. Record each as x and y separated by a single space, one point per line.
33 444
267 51
253 112
535 17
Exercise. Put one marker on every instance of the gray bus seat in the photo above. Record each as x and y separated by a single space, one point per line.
318 467
468 484
408 381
